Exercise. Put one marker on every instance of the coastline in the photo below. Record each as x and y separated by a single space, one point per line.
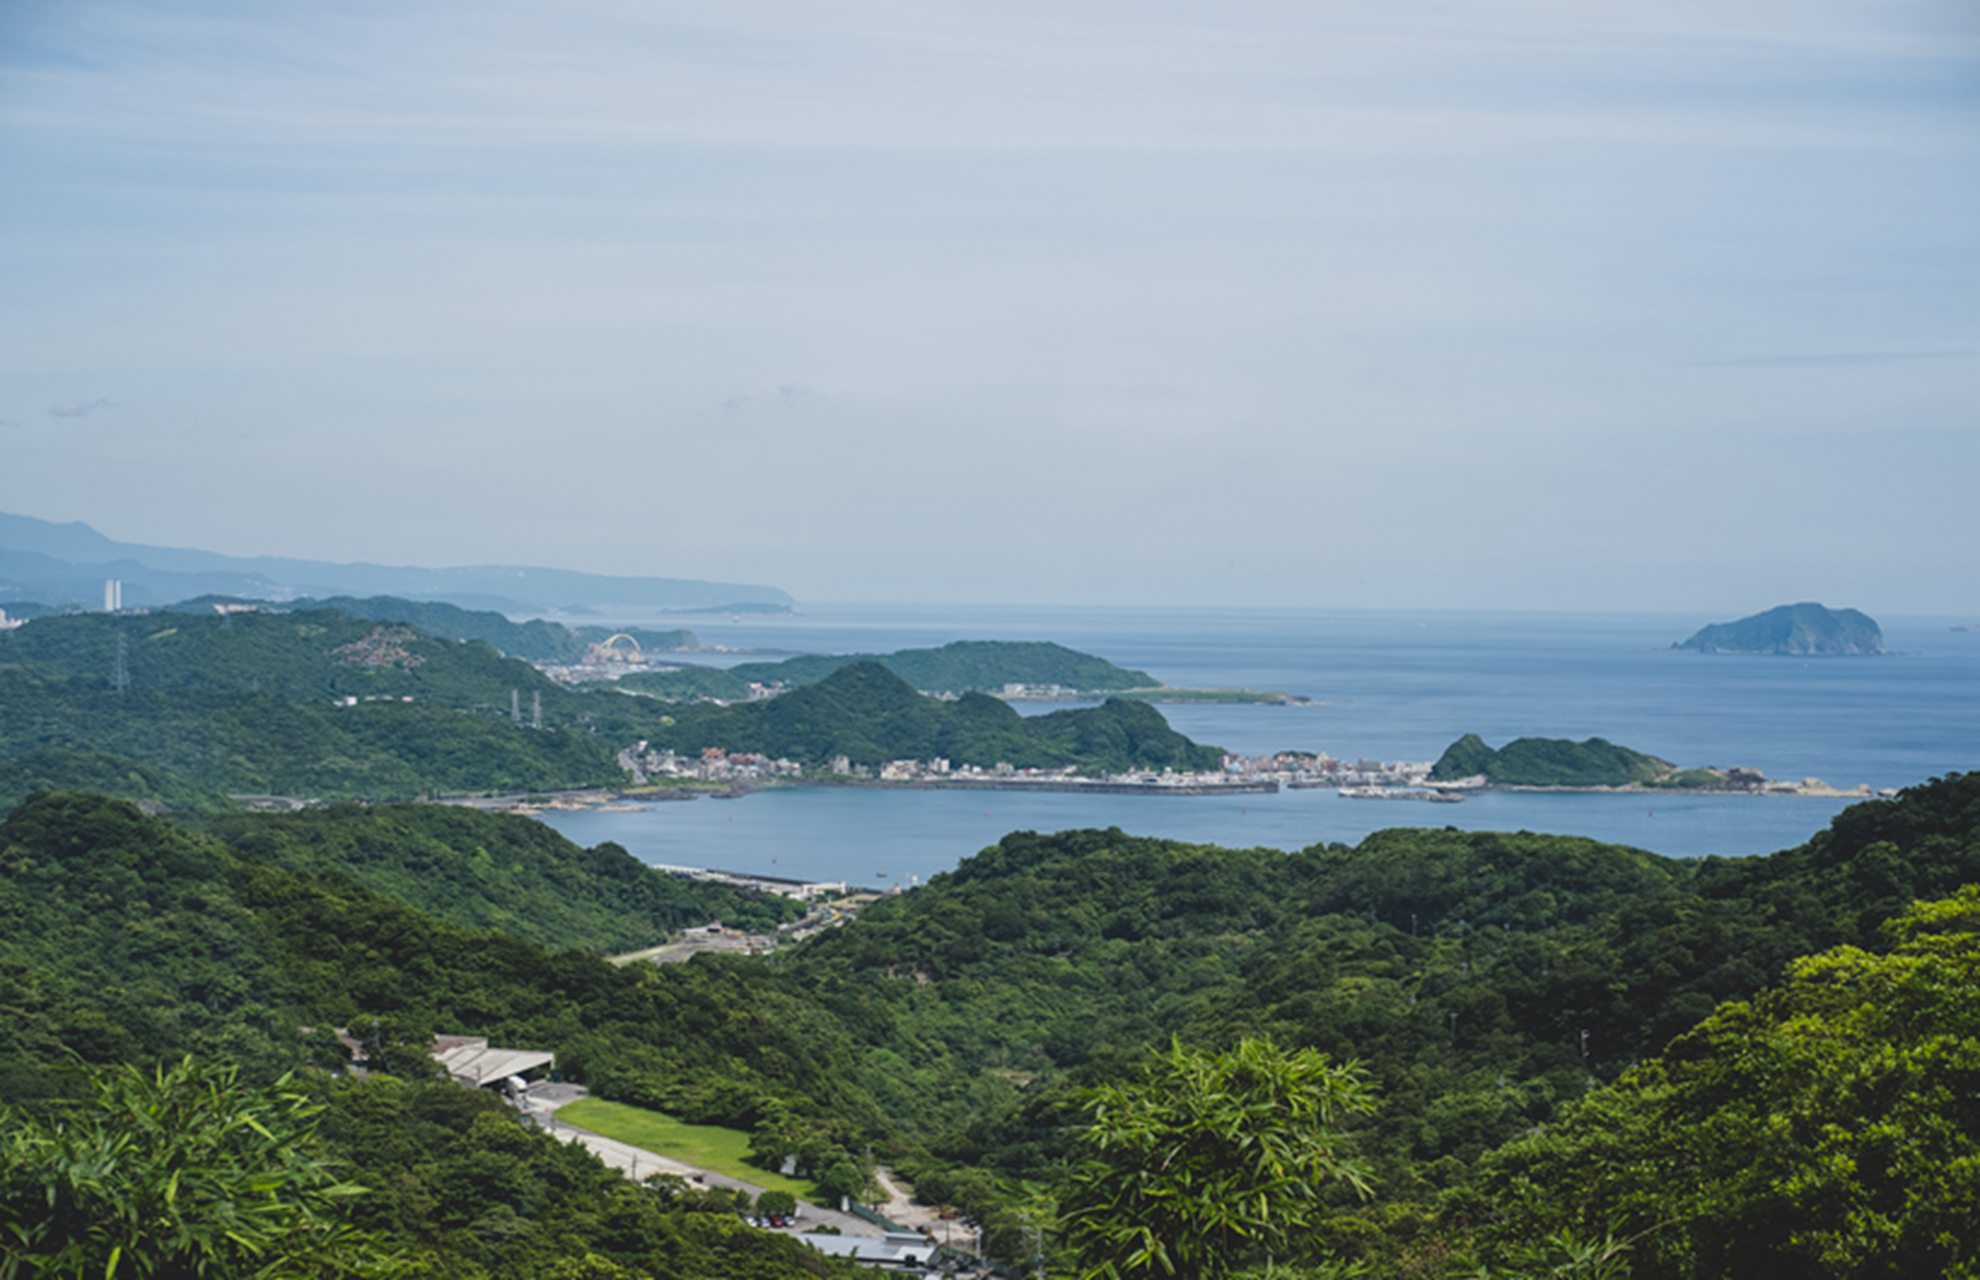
627 799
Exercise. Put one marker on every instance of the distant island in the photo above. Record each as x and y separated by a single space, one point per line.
1559 763
1796 629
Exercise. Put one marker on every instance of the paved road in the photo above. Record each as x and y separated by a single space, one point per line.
638 1163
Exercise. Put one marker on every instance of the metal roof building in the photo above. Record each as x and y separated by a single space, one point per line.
471 1060
905 1251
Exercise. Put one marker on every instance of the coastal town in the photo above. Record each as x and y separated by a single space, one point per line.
741 770
735 772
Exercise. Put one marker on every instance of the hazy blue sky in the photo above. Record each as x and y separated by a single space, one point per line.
1538 303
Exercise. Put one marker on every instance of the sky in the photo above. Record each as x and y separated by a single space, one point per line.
1361 303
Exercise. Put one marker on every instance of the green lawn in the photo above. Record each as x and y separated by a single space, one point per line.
706 1146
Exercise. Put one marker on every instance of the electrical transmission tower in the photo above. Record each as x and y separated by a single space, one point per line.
536 710
515 707
120 666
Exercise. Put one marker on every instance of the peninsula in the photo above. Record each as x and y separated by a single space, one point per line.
1805 629
965 666
1014 670
1558 764
867 715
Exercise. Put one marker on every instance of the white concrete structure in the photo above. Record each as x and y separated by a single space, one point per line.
471 1061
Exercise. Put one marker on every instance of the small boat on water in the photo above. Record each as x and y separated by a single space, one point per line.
1400 793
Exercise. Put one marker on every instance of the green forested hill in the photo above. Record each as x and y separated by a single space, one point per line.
250 703
256 703
123 939
959 667
1827 1127
870 715
247 743
153 787
494 871
310 655
126 938
1483 980
1551 762
535 639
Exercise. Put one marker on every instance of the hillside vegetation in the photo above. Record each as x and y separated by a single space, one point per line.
1554 762
318 704
255 744
534 639
495 871
869 715
1524 1007
152 787
255 704
960 667
310 655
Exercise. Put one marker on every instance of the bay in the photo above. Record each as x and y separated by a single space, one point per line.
1387 685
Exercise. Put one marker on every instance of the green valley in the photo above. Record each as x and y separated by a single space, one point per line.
1519 1005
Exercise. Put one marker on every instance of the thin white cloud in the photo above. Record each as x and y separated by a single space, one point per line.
1405 269
1836 359
80 408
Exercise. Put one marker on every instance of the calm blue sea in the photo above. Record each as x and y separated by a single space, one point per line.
1391 685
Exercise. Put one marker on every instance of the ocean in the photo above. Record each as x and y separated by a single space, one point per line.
1386 685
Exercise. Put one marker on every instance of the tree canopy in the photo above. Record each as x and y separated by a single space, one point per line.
1209 1161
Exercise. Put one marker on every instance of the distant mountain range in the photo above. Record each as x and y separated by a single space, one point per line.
57 564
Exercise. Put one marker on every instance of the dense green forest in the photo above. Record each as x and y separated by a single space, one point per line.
534 639
1555 1035
152 787
310 703
960 667
495 871
174 710
234 743
308 655
1558 762
869 715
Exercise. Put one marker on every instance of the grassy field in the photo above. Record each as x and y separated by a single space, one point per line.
706 1146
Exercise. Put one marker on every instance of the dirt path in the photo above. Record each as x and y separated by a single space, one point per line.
900 1207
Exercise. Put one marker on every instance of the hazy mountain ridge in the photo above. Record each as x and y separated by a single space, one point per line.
46 560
